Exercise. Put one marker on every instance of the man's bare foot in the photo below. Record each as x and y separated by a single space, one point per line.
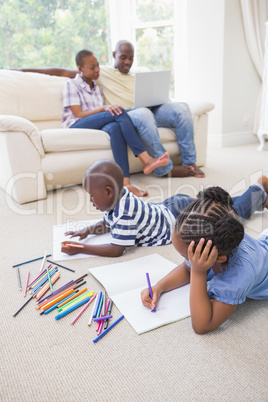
198 172
136 191
151 164
263 180
181 171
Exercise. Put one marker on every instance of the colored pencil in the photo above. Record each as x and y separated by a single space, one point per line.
97 305
77 299
83 309
26 285
76 295
72 308
103 312
44 259
73 245
49 280
19 278
45 288
107 330
41 277
105 317
52 295
44 280
108 312
62 266
102 322
153 310
35 279
57 299
27 262
92 312
100 306
27 301
55 305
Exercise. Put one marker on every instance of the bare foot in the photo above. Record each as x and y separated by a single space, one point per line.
136 191
198 172
152 163
181 171
263 180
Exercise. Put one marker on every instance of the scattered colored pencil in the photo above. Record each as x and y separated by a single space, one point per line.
49 280
27 301
26 285
72 308
27 262
105 317
42 263
108 329
83 309
62 266
92 312
19 278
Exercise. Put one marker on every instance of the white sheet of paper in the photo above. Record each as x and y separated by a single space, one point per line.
59 236
124 282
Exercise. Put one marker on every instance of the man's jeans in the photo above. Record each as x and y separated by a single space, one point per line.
254 199
175 115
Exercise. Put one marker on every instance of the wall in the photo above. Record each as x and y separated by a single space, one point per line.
219 69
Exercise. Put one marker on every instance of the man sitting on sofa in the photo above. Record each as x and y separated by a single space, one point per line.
147 120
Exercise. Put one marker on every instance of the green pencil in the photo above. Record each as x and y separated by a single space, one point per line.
49 279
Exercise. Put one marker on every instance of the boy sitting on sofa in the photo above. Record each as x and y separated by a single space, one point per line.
133 222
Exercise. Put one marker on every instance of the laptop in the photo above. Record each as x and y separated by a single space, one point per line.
151 88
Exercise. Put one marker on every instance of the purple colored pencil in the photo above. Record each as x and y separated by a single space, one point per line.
150 290
105 317
41 273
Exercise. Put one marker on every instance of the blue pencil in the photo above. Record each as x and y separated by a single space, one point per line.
100 306
97 305
55 305
108 329
26 262
72 308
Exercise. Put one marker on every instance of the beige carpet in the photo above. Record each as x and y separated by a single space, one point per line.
47 360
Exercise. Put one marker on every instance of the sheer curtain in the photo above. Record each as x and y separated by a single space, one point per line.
255 14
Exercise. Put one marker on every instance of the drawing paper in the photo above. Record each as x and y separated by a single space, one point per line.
59 236
124 282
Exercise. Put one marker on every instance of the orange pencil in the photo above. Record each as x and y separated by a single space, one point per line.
73 245
74 296
49 299
47 305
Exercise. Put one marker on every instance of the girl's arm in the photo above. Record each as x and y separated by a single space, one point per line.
176 278
79 114
206 314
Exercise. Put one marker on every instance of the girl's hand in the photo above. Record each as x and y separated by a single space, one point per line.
114 109
71 250
146 299
202 261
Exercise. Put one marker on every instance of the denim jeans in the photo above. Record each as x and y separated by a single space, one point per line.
253 199
121 132
175 115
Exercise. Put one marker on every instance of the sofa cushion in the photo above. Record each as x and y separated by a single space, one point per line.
21 125
39 96
74 139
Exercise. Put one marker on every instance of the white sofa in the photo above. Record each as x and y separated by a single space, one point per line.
38 156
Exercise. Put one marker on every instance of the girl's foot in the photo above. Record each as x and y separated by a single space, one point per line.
150 164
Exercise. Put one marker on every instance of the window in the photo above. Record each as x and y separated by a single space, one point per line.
48 33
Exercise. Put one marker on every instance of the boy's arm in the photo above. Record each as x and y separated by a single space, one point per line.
104 250
97 229
176 278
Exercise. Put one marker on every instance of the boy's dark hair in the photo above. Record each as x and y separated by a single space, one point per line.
79 58
212 217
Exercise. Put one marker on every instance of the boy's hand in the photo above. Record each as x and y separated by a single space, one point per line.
202 261
82 234
71 250
146 299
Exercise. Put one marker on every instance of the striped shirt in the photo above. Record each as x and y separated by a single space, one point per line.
78 92
135 223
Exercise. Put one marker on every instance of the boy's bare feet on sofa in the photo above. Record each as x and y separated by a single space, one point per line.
150 164
186 171
263 180
133 189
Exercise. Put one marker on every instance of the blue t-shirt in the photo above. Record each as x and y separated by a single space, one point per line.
246 274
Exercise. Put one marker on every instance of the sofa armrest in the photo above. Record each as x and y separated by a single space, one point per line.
19 124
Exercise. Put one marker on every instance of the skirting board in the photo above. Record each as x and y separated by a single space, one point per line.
232 139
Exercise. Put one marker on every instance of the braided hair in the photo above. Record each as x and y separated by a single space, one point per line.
212 217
